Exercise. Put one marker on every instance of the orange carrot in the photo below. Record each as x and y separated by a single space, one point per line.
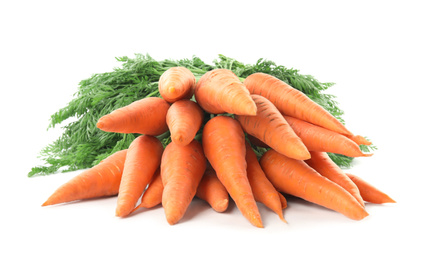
359 140
257 142
182 168
262 188
220 91
269 126
283 200
153 194
184 118
212 191
176 83
224 147
142 160
99 181
292 102
317 138
369 192
296 178
322 163
145 116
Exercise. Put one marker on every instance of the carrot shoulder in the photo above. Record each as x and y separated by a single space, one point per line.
176 83
145 116
184 118
292 102
224 146
317 138
220 91
212 191
322 163
142 160
101 180
296 178
269 126
182 168
369 192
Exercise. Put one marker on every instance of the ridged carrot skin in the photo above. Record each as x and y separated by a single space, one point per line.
296 178
322 163
292 102
184 119
182 168
99 181
262 188
212 191
153 194
145 116
317 138
224 146
220 91
369 192
269 126
142 160
176 83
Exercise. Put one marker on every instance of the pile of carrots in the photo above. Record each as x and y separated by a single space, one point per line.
214 123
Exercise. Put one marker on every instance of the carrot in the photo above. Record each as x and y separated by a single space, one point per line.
292 102
184 118
322 163
220 91
359 140
224 147
262 188
212 191
269 126
176 83
255 141
145 116
99 181
182 168
142 160
153 194
283 200
317 138
369 192
296 178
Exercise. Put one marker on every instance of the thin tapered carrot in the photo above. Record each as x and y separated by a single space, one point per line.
153 194
296 178
262 188
220 91
292 102
322 163
369 192
359 140
145 116
142 160
224 146
212 191
182 168
283 201
176 83
99 181
269 126
184 118
317 138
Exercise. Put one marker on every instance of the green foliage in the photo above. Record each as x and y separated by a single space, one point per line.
82 145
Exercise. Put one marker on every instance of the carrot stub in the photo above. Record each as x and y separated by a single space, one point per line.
212 191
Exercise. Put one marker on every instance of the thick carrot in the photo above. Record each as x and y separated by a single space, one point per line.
322 163
262 188
224 146
184 118
369 192
220 91
212 191
99 181
296 178
182 168
176 83
142 160
145 116
269 126
292 102
317 138
153 194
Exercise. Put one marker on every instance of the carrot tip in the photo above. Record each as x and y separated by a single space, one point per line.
172 89
221 206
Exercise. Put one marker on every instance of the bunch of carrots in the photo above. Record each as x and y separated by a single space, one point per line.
214 123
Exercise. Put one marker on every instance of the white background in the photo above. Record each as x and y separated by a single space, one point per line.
370 49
